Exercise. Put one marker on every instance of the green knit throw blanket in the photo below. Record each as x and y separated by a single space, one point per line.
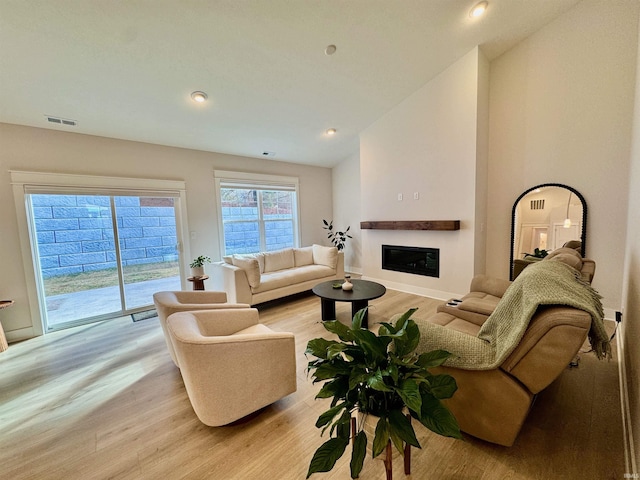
542 283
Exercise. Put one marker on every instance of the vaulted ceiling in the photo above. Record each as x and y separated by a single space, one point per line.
126 68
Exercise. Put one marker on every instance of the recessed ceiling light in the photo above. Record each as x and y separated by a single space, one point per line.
199 97
331 131
479 9
330 50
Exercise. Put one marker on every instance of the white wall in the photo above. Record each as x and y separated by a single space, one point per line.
346 209
561 111
25 148
427 144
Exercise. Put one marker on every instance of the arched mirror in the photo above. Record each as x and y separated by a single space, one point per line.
544 218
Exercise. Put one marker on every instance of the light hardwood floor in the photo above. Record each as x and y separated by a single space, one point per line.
105 401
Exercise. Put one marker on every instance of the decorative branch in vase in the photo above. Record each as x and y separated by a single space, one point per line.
338 238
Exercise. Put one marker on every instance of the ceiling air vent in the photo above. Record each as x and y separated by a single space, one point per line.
61 121
537 204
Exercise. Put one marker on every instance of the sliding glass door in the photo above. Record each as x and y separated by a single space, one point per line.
100 256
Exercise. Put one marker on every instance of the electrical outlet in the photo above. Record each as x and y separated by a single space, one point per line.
399 197
416 195
619 317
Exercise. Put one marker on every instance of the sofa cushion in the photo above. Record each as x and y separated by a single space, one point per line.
571 260
479 302
562 250
291 276
303 256
327 256
251 267
258 256
278 260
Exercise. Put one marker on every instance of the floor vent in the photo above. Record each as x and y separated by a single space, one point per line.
138 316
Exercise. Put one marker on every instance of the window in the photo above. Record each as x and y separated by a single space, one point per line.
257 212
98 246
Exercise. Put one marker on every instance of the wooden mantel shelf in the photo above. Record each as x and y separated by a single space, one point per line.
412 225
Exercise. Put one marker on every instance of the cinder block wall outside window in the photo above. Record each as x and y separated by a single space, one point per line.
75 233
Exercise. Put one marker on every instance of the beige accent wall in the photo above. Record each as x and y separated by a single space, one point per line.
560 111
44 150
630 327
428 144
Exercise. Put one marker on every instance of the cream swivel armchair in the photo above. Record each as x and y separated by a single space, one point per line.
231 365
171 302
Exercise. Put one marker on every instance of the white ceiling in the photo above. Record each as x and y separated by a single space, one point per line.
125 68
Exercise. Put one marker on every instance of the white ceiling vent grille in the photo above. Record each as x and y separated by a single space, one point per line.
61 121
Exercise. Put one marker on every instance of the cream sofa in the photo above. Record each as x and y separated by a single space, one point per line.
260 277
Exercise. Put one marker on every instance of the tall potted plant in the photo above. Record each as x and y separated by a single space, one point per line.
378 375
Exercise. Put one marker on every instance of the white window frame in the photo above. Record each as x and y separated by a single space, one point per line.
25 183
259 181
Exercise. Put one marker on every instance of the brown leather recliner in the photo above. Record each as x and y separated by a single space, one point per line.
493 404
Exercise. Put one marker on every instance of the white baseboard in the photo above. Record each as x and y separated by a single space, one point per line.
629 447
406 288
20 334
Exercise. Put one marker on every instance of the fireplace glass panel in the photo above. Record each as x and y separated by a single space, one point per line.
416 260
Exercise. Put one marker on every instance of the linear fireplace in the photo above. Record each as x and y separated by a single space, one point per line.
416 260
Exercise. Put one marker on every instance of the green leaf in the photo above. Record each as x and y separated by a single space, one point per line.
437 418
337 387
381 437
335 350
318 347
400 425
376 382
386 329
358 318
328 370
357 377
341 330
327 455
358 454
391 371
326 417
375 348
402 320
442 386
434 358
410 394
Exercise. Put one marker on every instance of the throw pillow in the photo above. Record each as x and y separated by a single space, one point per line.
250 267
303 256
325 256
257 256
278 260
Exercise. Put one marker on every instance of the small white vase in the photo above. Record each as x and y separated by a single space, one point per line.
347 285
197 271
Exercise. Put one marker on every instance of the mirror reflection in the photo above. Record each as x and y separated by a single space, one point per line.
544 218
